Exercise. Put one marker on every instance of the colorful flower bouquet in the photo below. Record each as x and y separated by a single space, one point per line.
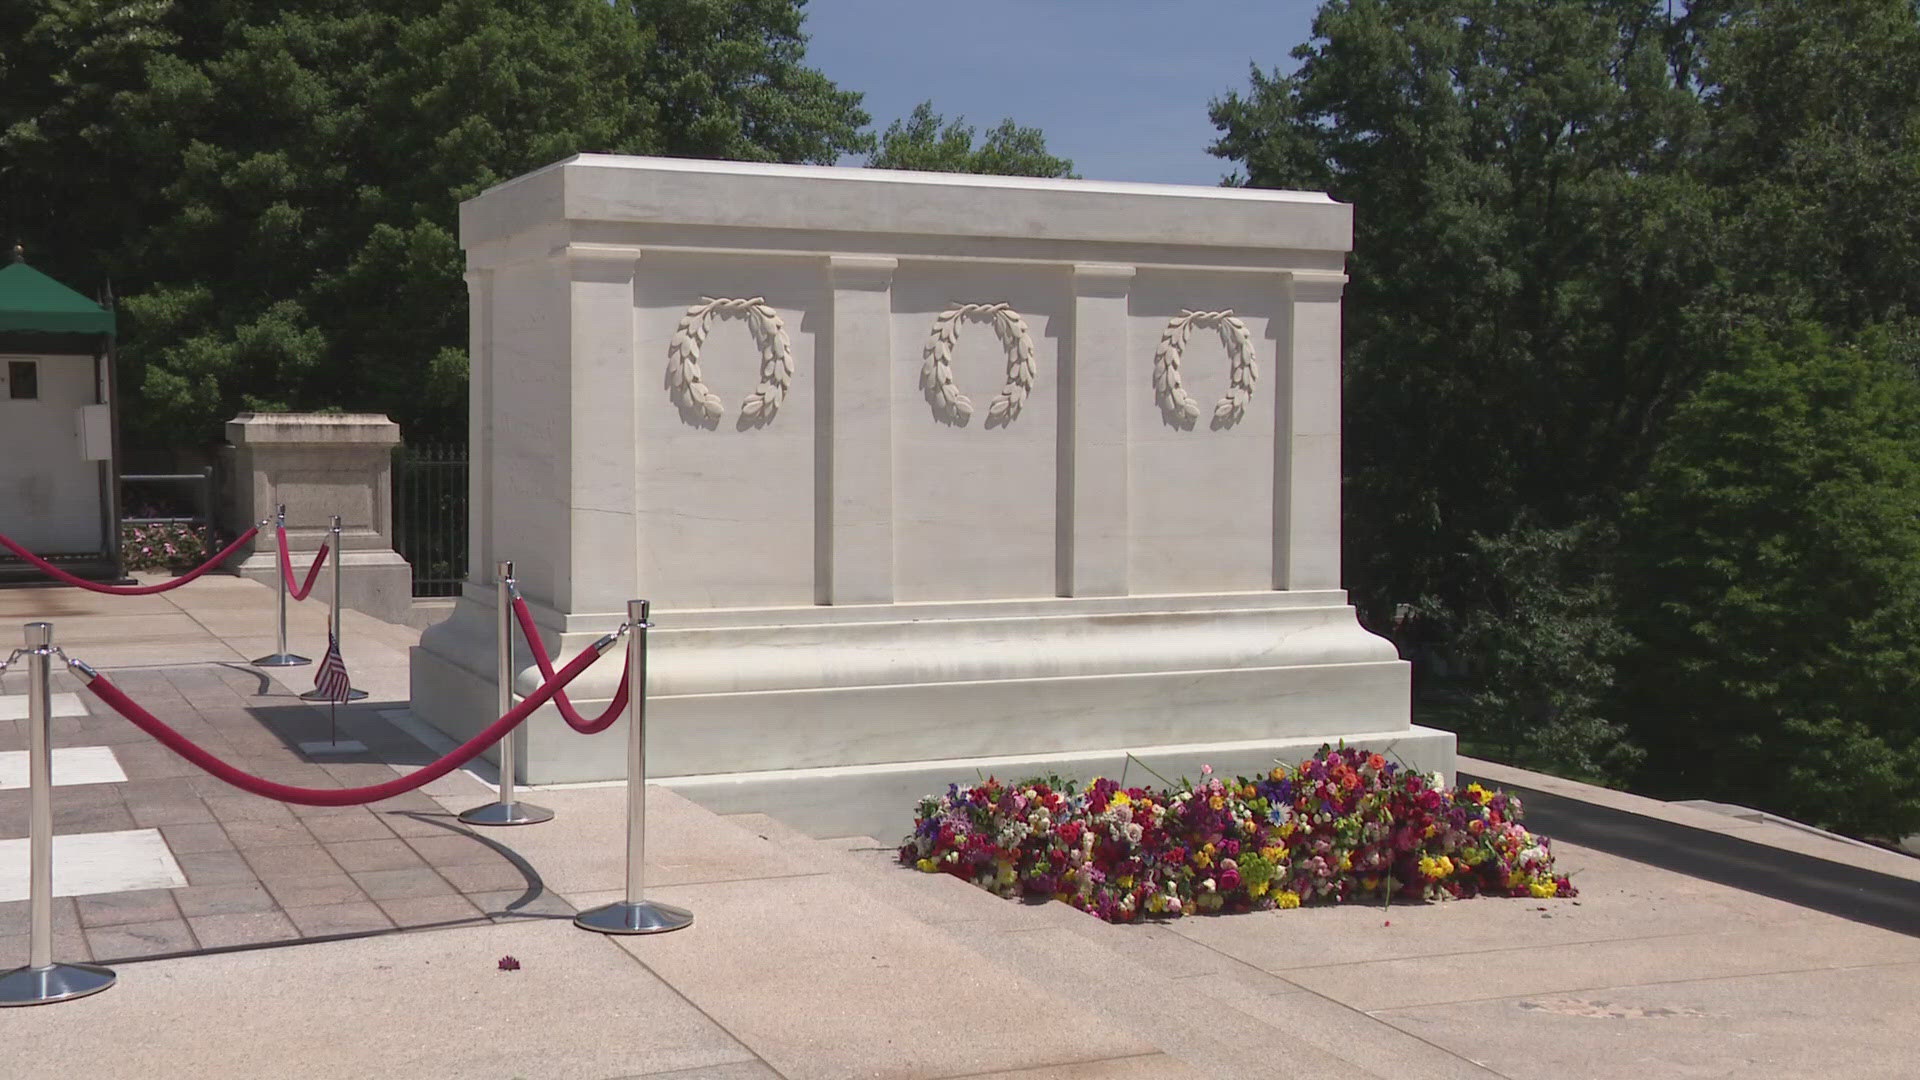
1344 826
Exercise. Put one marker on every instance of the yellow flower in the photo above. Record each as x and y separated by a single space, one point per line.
1126 881
1120 798
1216 802
1209 848
1202 860
1544 889
1249 827
1272 854
1258 890
927 866
1278 774
1477 793
1286 898
1446 866
1346 860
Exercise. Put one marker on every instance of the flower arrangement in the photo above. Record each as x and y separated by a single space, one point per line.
162 547
1343 826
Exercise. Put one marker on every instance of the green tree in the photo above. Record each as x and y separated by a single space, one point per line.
274 187
728 79
925 141
1565 213
1523 238
1540 625
1526 238
1771 568
1814 154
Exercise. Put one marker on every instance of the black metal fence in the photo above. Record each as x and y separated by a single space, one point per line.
430 515
169 499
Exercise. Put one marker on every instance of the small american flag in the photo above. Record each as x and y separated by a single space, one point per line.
331 680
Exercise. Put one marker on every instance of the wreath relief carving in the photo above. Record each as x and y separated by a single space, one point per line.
1171 390
690 390
936 375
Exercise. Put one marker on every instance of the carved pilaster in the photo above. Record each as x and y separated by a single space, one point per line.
854 530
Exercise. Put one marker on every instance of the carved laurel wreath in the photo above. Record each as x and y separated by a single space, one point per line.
776 357
937 372
1167 384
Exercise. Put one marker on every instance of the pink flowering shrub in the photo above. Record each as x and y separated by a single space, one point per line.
1345 825
162 547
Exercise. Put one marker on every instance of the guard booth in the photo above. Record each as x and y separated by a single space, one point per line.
58 491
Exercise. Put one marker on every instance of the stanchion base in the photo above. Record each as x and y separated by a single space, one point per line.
623 917
281 659
55 982
513 813
318 695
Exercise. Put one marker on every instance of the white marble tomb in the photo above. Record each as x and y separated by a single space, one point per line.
916 468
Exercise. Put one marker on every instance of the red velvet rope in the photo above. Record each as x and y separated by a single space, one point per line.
125 590
118 701
567 712
286 568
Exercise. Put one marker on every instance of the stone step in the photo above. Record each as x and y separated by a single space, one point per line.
814 973
1196 1004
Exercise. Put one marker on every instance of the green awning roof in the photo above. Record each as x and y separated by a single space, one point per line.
33 303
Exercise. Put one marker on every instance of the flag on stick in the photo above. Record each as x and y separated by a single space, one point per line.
331 679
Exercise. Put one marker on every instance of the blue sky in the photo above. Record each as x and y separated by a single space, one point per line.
1119 86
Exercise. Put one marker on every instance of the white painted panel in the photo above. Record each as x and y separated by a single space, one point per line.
88 863
14 706
71 765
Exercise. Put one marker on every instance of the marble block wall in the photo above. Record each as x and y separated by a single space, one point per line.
914 467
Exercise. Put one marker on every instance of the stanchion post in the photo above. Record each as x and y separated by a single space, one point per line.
507 809
335 620
42 981
281 657
636 914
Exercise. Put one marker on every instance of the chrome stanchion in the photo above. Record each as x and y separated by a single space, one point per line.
42 980
335 619
635 914
281 657
506 810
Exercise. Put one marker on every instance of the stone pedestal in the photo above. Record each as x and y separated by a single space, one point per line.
916 468
320 465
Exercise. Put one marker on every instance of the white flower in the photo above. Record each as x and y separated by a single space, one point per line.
1134 833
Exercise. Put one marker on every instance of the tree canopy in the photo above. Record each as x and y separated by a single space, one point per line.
273 186
1772 565
927 142
1578 228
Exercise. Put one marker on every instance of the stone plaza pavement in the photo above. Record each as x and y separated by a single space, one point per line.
274 941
